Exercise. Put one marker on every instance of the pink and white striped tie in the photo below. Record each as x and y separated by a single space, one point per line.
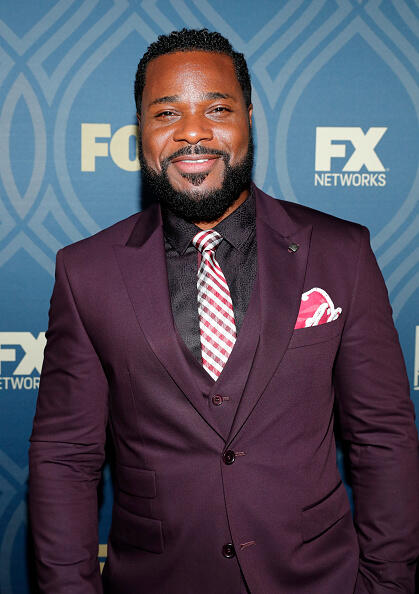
216 316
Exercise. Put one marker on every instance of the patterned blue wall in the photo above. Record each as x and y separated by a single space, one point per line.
336 99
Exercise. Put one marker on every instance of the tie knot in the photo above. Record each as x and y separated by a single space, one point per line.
205 241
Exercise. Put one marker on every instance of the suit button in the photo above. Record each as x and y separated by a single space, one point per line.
228 550
229 457
217 400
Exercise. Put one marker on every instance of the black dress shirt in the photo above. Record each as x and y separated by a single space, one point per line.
236 254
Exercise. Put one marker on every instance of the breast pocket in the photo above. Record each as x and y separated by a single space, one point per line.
315 334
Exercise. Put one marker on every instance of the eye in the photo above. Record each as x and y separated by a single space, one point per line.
165 114
220 109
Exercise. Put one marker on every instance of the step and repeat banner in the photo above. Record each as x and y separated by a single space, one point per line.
335 95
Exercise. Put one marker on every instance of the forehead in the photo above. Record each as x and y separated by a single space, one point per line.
187 73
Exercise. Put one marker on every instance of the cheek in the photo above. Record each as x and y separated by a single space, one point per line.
236 138
154 145
239 144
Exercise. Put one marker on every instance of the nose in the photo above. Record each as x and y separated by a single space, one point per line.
193 128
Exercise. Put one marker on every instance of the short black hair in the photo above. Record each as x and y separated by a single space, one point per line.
188 40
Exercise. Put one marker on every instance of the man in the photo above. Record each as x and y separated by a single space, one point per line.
220 399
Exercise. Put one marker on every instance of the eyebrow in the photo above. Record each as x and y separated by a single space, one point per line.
176 98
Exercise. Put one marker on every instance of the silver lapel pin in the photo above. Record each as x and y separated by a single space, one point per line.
293 247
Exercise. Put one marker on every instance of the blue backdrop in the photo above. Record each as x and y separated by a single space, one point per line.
335 92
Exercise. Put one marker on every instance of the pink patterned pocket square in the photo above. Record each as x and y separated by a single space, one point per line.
316 308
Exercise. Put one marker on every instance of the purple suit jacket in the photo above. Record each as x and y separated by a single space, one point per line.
113 357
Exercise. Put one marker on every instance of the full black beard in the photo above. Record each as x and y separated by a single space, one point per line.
192 206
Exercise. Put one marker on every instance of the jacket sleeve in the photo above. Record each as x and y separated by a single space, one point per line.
67 451
377 419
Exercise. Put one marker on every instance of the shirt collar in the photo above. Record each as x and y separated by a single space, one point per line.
236 228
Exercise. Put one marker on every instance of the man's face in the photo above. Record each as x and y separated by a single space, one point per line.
195 143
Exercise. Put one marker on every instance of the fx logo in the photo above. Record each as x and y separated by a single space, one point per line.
118 147
330 144
33 348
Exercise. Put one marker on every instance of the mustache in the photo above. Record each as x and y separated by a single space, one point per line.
189 150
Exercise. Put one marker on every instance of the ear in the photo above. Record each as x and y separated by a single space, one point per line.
250 112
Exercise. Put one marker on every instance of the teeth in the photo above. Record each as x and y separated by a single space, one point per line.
195 160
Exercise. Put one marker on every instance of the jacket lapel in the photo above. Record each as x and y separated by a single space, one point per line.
281 275
143 266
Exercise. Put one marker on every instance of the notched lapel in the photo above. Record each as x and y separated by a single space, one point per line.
281 281
143 267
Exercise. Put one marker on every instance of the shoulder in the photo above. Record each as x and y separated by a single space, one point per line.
325 227
100 244
118 233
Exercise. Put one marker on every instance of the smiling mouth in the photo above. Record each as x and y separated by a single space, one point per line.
194 164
